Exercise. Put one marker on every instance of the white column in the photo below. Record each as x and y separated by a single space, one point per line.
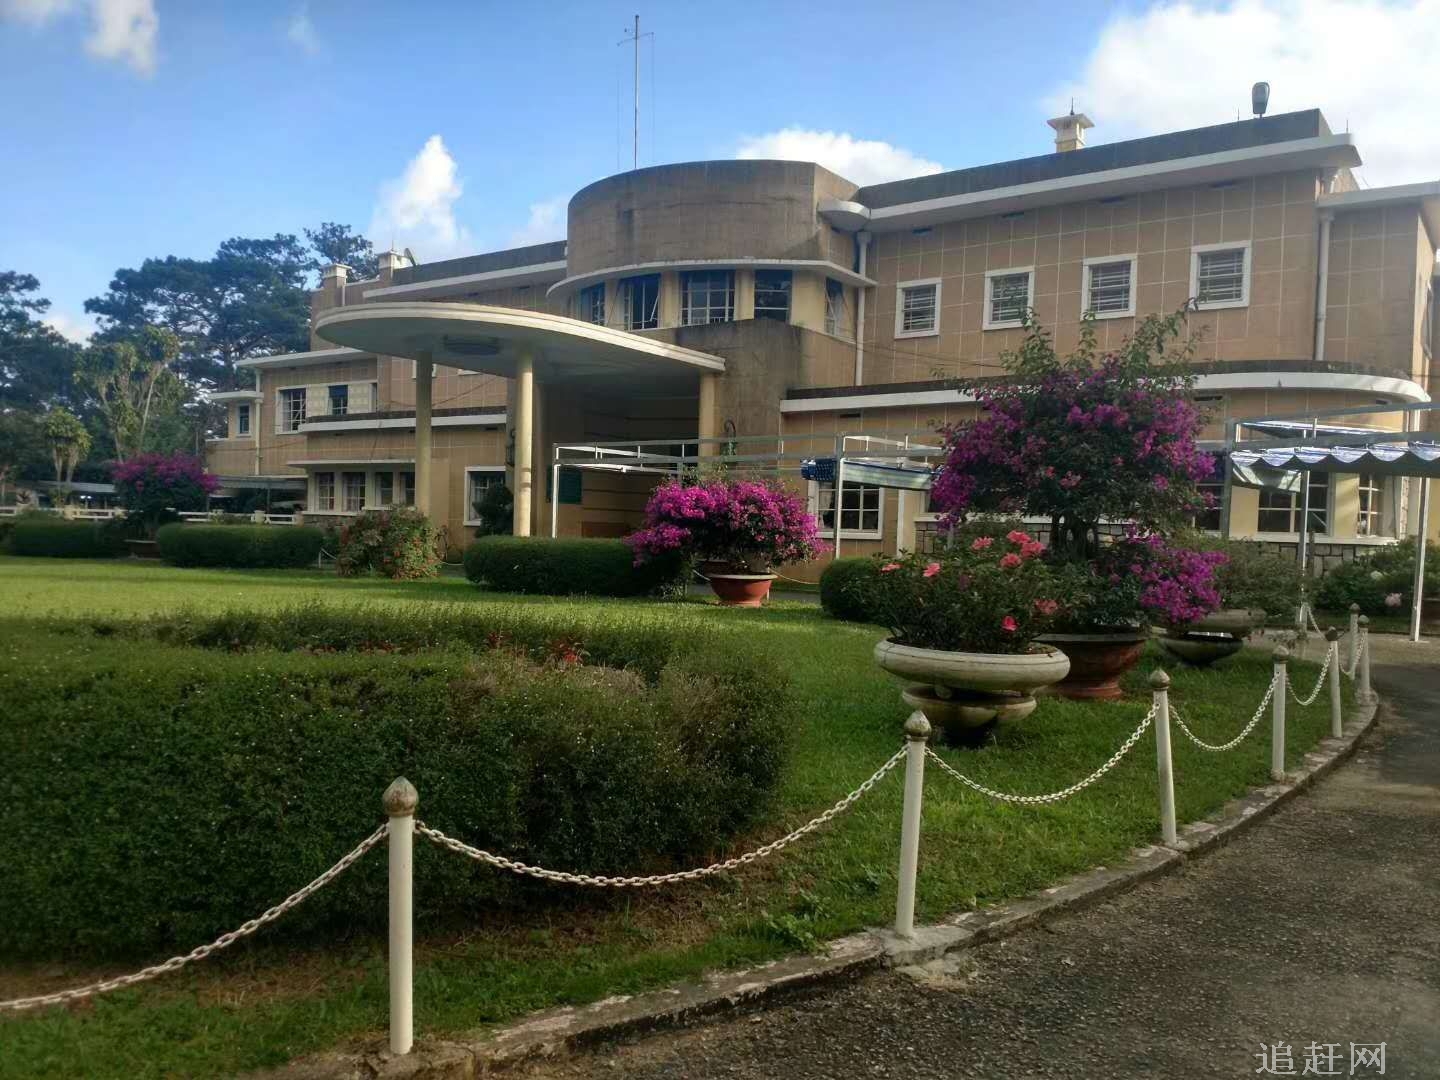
524 443
400 801
917 731
424 368
1420 534
1354 637
1365 693
1277 729
1160 687
1337 719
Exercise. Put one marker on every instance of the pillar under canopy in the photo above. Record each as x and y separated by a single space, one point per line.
524 444
424 371
707 428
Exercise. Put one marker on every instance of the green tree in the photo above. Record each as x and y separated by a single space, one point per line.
335 243
36 363
24 459
130 383
68 440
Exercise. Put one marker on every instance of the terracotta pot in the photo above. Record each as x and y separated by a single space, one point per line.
1097 661
741 590
144 549
1199 649
964 694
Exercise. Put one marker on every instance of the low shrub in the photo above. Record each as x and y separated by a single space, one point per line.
169 796
400 543
239 546
1380 583
53 537
1254 577
532 564
847 589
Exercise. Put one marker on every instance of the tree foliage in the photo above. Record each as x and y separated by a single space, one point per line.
36 363
130 383
68 440
335 243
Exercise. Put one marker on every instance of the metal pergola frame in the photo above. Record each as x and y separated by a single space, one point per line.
1312 420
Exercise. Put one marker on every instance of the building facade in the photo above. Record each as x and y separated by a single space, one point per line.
772 306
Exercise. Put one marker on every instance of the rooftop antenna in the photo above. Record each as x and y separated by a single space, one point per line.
634 36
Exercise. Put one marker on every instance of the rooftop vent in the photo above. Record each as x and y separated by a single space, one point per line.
1070 131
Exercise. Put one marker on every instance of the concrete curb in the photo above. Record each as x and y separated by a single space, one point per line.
560 1030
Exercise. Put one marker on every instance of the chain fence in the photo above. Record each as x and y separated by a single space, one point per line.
1330 654
1354 667
1218 748
224 941
500 862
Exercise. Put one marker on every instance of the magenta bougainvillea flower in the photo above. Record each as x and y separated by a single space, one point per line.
739 522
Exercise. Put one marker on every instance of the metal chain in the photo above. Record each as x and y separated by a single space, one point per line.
1310 614
1351 671
1054 796
500 862
1221 747
201 952
1325 667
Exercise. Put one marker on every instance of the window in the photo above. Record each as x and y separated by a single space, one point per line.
1369 518
590 304
1280 510
917 308
292 408
837 318
242 420
1009 296
384 489
477 482
707 296
407 488
1109 287
352 492
339 400
772 295
1220 275
860 510
374 397
1212 491
640 297
324 491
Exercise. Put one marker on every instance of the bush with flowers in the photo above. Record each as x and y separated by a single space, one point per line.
992 595
153 487
399 543
748 525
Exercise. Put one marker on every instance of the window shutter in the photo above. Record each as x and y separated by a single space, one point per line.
317 400
359 398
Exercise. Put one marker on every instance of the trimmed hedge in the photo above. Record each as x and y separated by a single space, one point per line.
240 546
846 589
59 539
171 793
533 564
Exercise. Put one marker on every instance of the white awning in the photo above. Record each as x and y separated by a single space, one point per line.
1385 458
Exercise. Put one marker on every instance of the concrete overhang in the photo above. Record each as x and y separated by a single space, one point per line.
477 337
311 358
1425 195
825 266
1321 151
237 395
534 274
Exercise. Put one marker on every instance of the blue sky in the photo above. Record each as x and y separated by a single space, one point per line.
154 127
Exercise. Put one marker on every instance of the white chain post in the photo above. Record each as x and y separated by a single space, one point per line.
1337 721
1354 637
1160 685
400 801
917 731
1365 694
1277 730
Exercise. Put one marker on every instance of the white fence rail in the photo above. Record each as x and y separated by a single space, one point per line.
401 801
78 513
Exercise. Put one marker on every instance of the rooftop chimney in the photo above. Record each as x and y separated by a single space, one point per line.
1070 131
389 262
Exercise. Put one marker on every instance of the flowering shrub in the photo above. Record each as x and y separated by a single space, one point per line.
400 543
742 523
1170 585
152 486
991 595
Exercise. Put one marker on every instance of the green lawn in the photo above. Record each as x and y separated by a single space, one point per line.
264 1005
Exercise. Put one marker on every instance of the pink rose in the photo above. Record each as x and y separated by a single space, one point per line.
1031 549
889 566
1047 607
932 569
1009 625
1009 562
982 543
1015 536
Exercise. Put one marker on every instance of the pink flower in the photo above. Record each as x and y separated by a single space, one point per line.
1394 600
1015 536
889 566
1031 549
1047 607
1009 625
982 543
932 569
1010 561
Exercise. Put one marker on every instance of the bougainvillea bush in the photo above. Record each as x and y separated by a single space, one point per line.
750 524
399 543
992 595
152 487
1167 584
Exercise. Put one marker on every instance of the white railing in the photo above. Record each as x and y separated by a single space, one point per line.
78 513
401 800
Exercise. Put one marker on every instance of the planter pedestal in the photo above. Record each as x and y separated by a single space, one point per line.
741 590
1097 661
965 717
1199 649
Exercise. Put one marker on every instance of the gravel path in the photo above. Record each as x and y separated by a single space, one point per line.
1319 926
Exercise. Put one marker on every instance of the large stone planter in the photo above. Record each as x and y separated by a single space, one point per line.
1213 638
964 694
1097 661
741 590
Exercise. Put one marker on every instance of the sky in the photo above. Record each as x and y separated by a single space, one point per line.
137 128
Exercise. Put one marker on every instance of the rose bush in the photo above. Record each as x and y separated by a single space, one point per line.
746 524
399 543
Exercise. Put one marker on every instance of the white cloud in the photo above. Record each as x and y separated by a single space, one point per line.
417 209
865 161
547 222
300 30
123 30
77 328
1179 65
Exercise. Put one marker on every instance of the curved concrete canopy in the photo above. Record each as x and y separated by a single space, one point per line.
492 339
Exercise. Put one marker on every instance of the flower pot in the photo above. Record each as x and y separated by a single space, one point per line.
1097 661
964 694
741 590
1199 649
144 549
1238 622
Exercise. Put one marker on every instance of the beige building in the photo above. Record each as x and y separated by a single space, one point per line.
776 306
